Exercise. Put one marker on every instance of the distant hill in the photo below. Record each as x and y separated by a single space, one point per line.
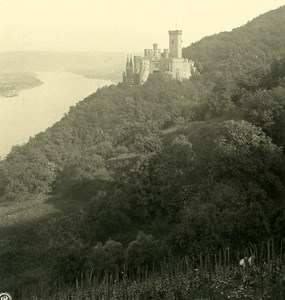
101 65
248 47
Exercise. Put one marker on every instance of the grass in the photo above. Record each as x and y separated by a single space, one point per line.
16 213
209 276
198 132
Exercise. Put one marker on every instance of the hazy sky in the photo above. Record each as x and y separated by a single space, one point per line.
118 25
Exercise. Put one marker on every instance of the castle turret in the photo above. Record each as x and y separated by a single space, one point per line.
128 76
129 67
148 52
166 53
131 62
175 43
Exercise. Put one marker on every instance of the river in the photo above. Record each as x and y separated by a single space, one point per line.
36 109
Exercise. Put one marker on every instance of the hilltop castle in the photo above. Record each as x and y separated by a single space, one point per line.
154 60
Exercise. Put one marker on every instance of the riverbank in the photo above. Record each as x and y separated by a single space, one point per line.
109 74
34 110
11 83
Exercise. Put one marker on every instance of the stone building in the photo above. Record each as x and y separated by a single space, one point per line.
154 60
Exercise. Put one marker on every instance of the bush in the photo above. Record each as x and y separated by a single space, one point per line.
144 251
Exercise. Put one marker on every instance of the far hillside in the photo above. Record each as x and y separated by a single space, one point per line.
243 50
99 65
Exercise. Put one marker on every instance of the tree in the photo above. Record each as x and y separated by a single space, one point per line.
144 251
29 174
139 137
3 180
266 109
108 257
158 180
108 216
86 168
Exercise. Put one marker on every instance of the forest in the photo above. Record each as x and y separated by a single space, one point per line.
148 178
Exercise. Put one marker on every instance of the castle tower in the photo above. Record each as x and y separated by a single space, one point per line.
129 66
175 43
155 47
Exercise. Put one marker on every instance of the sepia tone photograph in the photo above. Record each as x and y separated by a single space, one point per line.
142 150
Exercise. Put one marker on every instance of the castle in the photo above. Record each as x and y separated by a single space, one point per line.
154 60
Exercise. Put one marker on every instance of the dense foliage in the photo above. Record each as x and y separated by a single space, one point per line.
242 51
160 170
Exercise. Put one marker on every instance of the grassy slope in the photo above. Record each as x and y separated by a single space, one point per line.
12 213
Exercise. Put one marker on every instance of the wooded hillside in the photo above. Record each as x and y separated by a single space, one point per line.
166 169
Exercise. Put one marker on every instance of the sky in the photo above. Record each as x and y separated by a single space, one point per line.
118 25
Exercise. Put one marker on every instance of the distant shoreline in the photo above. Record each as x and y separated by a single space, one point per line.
12 83
91 64
114 77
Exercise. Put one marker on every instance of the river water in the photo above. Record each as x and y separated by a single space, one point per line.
36 109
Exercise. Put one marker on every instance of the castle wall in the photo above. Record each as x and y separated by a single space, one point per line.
164 65
180 68
154 65
137 64
145 70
